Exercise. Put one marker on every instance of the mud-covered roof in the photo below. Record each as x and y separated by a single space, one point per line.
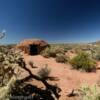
27 42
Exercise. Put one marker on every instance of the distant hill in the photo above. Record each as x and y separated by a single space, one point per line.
96 43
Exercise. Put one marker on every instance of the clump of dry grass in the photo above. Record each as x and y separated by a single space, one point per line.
44 73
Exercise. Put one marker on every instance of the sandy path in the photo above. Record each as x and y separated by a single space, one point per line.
68 78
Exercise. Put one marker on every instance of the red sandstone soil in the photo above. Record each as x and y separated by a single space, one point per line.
68 78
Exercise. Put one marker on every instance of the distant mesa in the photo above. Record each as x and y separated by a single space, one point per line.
97 42
32 46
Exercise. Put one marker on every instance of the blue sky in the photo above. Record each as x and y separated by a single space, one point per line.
51 20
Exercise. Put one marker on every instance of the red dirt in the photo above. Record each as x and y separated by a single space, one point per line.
68 78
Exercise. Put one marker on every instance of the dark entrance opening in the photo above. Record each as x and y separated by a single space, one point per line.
33 50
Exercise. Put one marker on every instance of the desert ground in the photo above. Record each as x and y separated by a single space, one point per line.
68 79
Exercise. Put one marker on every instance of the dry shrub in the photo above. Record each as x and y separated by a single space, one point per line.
84 62
61 58
44 73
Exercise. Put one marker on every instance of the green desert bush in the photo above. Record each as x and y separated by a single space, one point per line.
83 62
90 92
61 58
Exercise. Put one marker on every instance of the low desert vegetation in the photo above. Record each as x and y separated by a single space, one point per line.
8 62
97 56
48 52
52 51
90 92
83 62
61 58
44 73
57 53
